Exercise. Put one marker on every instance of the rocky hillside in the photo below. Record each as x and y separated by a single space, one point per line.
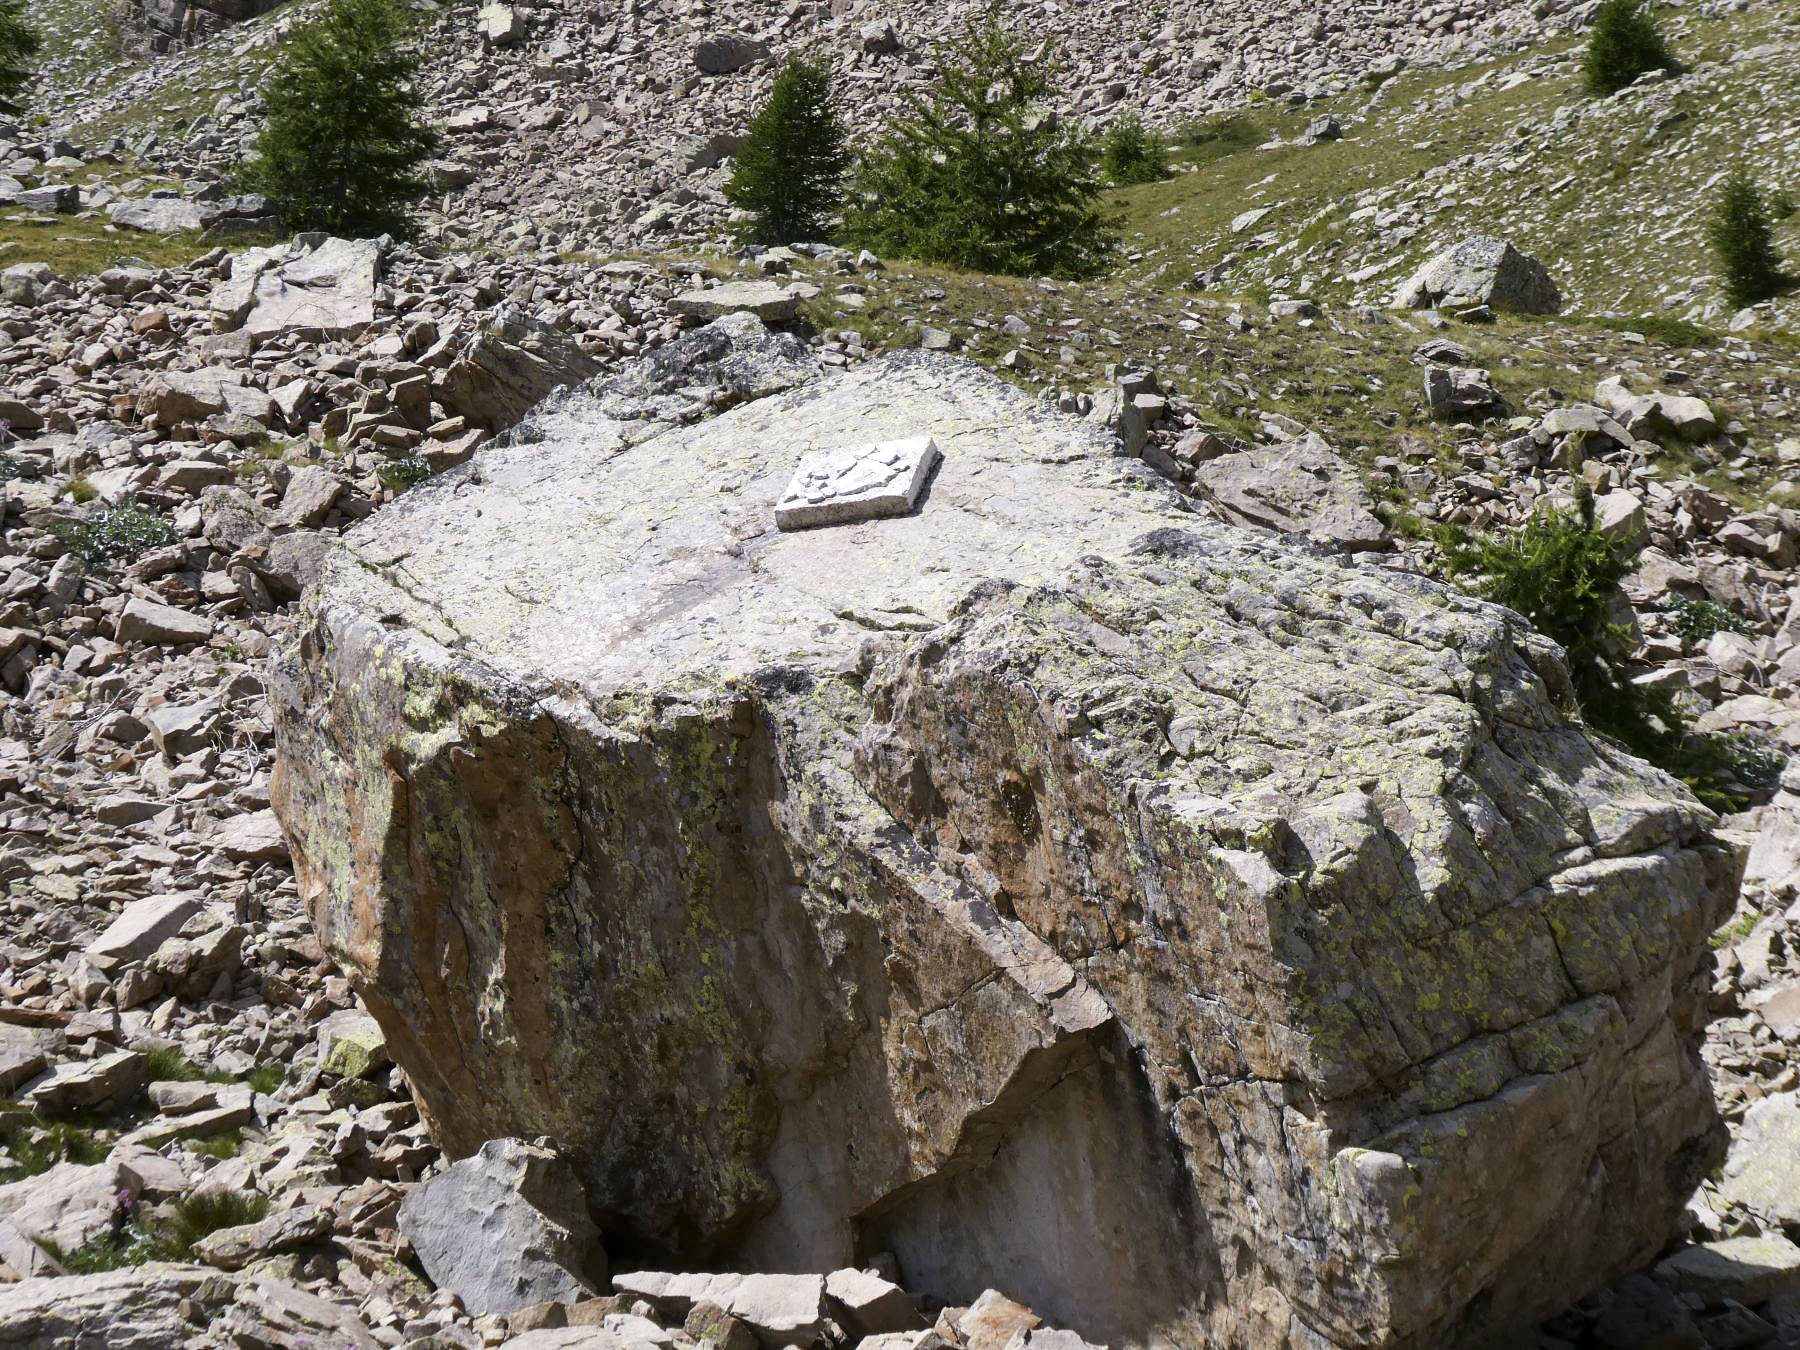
895 923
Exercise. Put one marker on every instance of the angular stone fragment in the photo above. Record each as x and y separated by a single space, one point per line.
768 301
141 928
115 1077
1762 1172
182 729
352 1045
993 1320
234 1248
1453 392
69 1205
254 837
1749 1269
21 1056
135 1308
505 1229
329 289
870 1305
500 25
722 53
1481 271
1296 487
146 621
508 367
1048 862
156 215
863 482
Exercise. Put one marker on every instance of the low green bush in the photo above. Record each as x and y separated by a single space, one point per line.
113 535
1697 620
397 475
1564 575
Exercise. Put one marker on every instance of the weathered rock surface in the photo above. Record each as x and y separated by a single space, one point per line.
1297 487
1481 271
136 1308
506 1229
328 289
1319 977
508 367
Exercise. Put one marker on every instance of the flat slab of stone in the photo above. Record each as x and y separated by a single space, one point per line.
141 927
1762 1173
156 215
768 301
859 482
329 289
1748 1269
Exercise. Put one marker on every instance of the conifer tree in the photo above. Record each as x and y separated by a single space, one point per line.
1623 44
984 175
1743 241
1132 153
343 143
789 173
19 42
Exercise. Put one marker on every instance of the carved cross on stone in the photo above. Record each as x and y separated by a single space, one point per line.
858 482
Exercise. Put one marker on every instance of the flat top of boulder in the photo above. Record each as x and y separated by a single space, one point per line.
594 562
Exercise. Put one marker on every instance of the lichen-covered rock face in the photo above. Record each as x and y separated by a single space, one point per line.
1209 941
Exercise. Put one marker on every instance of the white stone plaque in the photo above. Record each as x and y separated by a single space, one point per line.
857 482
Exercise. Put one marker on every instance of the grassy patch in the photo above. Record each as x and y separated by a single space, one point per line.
36 1145
73 246
226 1144
1734 931
169 1236
265 1078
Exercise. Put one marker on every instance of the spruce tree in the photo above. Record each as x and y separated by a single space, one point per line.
1623 44
983 175
343 142
19 42
790 169
1743 241
1131 153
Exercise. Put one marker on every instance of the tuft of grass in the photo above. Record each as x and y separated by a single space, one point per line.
37 1147
204 1212
165 1064
1735 930
166 1237
1656 327
1207 139
265 1078
226 1144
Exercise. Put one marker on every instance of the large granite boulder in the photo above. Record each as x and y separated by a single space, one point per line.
1203 939
1481 271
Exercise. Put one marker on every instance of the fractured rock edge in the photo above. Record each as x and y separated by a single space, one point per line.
1108 880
